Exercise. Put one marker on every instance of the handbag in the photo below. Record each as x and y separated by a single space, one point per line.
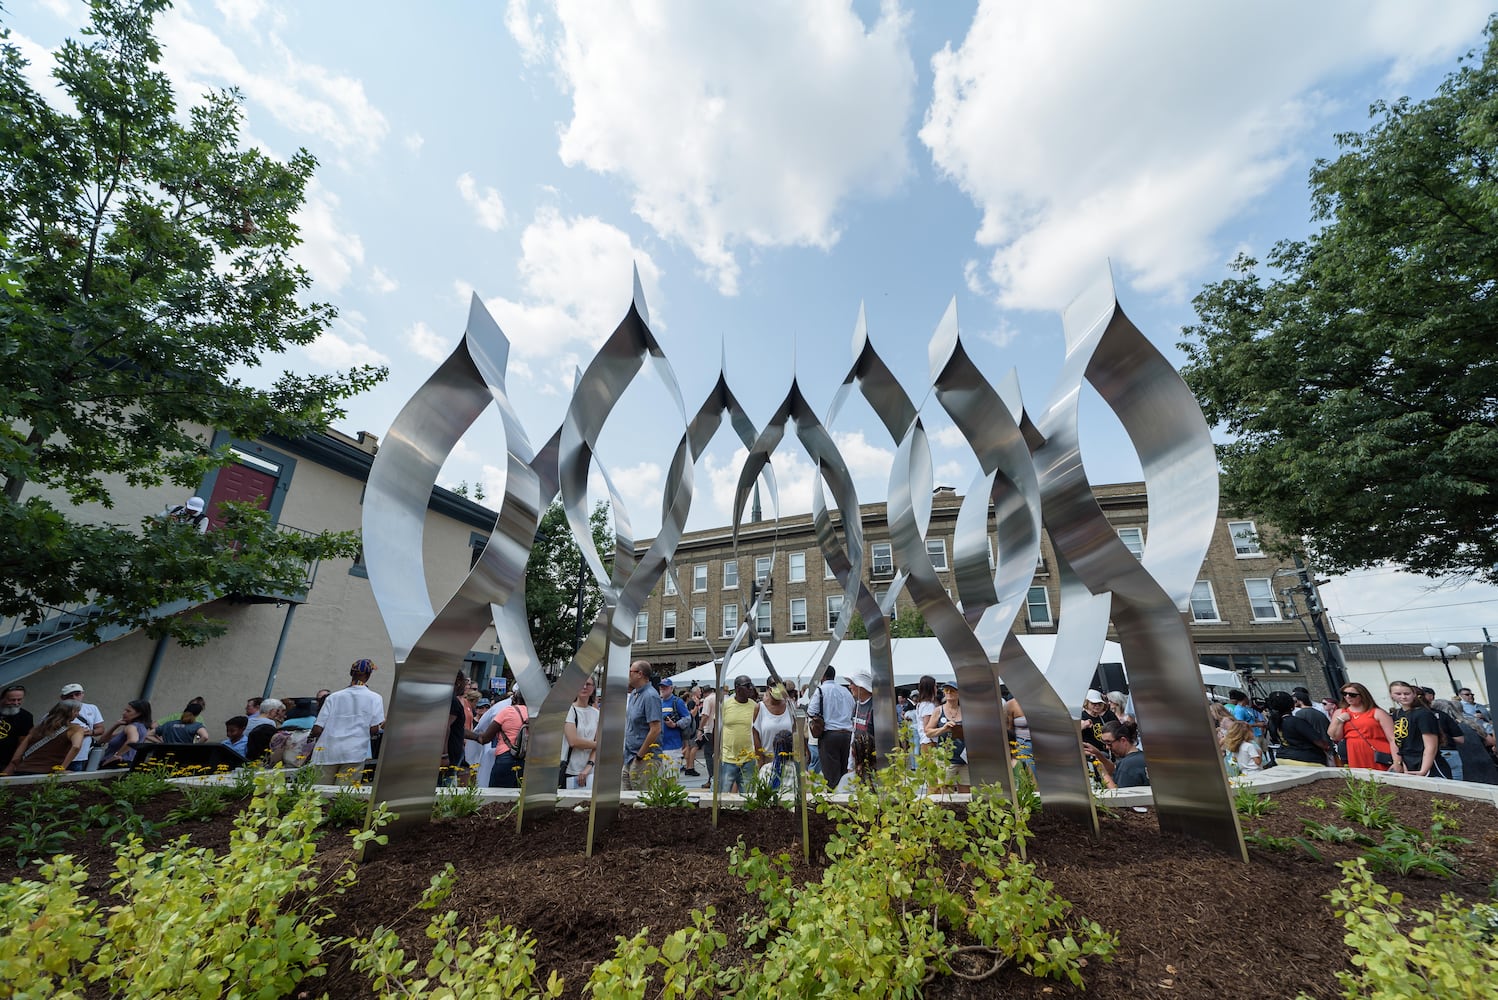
1379 756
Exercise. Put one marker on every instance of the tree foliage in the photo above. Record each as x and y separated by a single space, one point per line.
907 624
551 582
145 262
1357 377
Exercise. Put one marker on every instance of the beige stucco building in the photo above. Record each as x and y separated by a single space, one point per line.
291 646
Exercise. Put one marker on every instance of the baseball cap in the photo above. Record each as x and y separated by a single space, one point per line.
950 685
668 683
195 505
1095 696
68 689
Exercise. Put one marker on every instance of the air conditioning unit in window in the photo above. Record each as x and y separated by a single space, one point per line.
882 570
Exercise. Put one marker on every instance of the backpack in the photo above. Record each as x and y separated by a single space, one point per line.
522 743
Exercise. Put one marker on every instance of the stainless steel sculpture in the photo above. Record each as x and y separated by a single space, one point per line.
1029 470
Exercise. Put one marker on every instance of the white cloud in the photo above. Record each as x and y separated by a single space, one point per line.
72 11
302 96
343 345
949 437
488 207
327 251
381 282
425 343
640 487
723 151
413 142
241 14
525 28
865 461
1137 131
575 285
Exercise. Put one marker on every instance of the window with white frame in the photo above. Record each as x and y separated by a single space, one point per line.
730 620
762 619
699 579
761 569
1261 599
826 570
668 626
642 626
798 616
936 548
670 583
1133 539
699 623
882 559
730 574
796 567
1245 539
1204 603
1038 605
834 610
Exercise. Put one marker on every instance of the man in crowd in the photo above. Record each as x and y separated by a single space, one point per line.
258 737
740 763
1473 709
642 726
673 719
861 748
707 723
347 721
834 706
15 722
90 718
1125 768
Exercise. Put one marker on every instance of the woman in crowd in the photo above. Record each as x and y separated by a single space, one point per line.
52 743
1477 762
689 744
505 731
774 717
182 730
1240 750
926 699
581 731
945 730
1300 745
1417 734
134 724
1366 729
1118 703
1020 742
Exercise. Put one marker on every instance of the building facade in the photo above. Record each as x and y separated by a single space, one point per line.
1242 616
288 645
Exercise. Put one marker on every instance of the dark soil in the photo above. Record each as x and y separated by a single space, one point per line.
1191 922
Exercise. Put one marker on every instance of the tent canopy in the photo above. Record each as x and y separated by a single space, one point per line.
914 657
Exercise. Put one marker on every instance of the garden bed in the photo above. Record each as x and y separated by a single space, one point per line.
1189 921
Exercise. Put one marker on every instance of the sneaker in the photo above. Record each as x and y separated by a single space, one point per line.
692 771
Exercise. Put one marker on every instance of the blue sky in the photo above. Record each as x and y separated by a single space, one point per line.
769 166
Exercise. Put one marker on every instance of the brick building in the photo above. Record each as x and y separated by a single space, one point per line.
1239 616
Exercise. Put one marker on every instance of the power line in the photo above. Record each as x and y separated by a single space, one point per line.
1428 607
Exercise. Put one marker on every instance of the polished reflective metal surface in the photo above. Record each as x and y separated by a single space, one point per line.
1029 470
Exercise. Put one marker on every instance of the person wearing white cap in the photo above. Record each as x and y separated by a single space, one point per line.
861 747
193 512
1095 715
90 718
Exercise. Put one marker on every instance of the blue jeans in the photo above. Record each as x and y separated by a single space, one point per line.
506 773
736 774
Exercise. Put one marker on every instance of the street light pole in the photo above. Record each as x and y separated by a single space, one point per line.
1439 648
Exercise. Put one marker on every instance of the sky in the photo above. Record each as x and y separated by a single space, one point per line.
771 167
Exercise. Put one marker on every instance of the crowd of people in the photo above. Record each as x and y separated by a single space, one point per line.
670 732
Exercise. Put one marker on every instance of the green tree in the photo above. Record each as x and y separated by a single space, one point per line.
908 624
146 266
1357 379
551 582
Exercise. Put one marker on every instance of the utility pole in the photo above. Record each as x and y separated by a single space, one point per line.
1331 660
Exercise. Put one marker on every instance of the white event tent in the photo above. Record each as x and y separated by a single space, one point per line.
796 661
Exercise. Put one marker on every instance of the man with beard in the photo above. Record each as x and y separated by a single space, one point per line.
15 722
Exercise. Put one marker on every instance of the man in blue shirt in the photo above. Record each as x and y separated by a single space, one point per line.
834 706
673 717
642 726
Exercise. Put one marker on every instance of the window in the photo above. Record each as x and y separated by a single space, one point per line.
762 619
642 626
1203 603
834 610
761 569
1261 600
699 579
798 616
730 574
730 620
798 567
880 596
826 570
882 559
1281 664
1245 539
668 626
1133 539
1039 604
670 583
699 623
936 548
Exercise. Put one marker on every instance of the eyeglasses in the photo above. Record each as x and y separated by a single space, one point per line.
1351 694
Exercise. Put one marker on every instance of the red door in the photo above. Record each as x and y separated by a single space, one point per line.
239 482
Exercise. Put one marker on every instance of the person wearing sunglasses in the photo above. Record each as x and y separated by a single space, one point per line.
1366 729
1126 768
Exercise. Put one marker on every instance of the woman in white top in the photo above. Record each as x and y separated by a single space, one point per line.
581 730
926 701
774 717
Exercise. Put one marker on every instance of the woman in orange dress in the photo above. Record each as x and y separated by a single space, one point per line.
1366 729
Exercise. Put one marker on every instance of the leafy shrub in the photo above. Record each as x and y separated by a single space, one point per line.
662 790
1366 802
1401 952
139 786
42 823
47 931
455 803
1250 803
346 808
200 804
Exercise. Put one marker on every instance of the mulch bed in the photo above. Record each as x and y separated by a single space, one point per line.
1191 922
